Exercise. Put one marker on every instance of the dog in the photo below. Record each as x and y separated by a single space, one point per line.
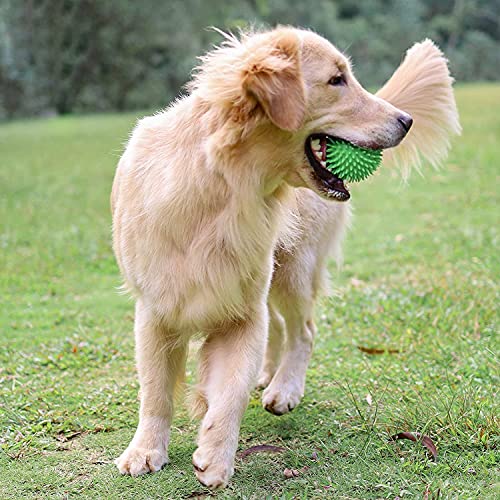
224 217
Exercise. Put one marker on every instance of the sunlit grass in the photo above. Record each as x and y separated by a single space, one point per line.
420 277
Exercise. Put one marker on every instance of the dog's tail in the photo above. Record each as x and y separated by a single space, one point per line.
422 87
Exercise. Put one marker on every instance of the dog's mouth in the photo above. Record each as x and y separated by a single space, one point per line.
331 185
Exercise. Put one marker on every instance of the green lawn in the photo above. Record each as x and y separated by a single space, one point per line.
420 276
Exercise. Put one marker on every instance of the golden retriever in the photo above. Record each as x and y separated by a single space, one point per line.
226 186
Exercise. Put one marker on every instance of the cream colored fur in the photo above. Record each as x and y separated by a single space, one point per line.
214 194
422 86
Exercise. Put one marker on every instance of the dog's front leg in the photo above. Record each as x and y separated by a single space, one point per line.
230 361
160 363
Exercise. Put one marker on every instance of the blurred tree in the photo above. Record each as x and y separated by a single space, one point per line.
62 56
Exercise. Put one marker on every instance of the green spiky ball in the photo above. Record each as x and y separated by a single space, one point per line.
349 162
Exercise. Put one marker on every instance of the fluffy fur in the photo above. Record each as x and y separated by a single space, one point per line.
222 228
422 86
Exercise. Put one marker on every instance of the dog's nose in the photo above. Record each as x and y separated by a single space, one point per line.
406 121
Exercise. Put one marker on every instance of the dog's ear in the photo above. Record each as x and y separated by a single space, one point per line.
273 77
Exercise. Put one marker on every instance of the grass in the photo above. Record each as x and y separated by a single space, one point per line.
420 277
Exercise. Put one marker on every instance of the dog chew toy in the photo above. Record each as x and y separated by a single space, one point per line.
349 162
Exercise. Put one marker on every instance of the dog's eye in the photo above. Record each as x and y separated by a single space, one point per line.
336 80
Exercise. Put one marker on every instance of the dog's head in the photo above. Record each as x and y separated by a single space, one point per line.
284 93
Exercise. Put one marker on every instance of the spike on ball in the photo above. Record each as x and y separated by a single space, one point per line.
351 163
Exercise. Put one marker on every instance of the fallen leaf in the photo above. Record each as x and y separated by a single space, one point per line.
198 495
427 492
369 399
260 448
416 436
100 428
289 473
373 350
63 438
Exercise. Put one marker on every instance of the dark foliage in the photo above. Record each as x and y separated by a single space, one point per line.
62 56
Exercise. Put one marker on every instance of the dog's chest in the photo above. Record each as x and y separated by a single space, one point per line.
206 281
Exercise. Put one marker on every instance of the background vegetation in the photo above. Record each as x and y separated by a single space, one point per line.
62 56
420 277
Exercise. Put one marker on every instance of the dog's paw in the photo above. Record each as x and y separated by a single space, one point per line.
137 461
212 469
281 398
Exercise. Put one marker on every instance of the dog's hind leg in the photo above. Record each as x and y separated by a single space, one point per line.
160 365
287 385
300 276
274 346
